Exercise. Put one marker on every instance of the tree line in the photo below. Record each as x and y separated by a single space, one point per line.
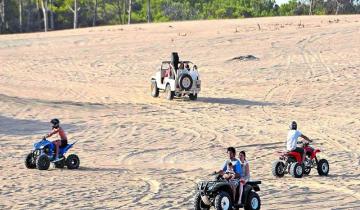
43 15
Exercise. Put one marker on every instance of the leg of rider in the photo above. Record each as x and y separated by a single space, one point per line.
233 188
57 145
303 154
240 192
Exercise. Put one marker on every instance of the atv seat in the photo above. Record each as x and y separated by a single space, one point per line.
64 149
252 183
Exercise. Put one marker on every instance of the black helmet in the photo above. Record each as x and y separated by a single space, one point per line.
55 123
293 125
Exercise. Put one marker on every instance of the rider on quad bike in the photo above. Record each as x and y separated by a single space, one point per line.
233 178
223 193
292 140
62 142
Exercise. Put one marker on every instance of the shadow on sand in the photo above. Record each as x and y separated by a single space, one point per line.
105 169
22 127
53 103
233 101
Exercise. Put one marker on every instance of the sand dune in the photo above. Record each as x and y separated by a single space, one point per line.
138 152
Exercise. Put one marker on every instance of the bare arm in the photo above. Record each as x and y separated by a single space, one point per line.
247 170
54 131
236 175
221 172
305 137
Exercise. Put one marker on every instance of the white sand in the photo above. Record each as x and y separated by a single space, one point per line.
138 152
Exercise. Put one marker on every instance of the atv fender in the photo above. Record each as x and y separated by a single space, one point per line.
223 187
246 191
313 155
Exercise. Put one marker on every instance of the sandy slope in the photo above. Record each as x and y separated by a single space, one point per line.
143 153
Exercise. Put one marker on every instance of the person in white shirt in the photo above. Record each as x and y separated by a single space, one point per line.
292 139
194 73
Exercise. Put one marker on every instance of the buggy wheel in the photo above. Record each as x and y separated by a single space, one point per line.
154 89
223 201
60 163
43 162
278 168
30 161
72 161
199 204
185 82
297 170
253 202
193 97
323 167
169 94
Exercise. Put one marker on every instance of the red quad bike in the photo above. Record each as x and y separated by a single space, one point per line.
291 162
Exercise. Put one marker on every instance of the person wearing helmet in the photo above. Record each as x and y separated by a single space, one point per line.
56 129
292 139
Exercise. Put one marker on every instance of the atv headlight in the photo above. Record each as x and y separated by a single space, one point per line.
37 152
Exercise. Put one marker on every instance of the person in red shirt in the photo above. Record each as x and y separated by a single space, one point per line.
56 129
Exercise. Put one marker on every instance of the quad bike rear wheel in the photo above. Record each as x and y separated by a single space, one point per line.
323 167
72 161
297 170
154 89
199 204
43 162
29 161
278 168
307 166
60 163
253 202
223 201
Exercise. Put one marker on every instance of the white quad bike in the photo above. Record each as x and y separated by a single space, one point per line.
180 82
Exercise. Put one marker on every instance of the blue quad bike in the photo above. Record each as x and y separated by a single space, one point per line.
44 153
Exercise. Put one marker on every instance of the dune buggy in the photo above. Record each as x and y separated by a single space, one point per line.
174 80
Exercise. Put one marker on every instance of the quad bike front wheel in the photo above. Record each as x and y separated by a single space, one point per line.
154 89
323 167
297 170
278 168
199 204
223 201
43 162
72 161
253 202
30 161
